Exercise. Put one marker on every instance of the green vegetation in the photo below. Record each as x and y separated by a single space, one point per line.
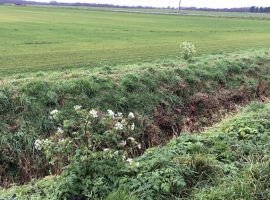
188 12
42 38
85 112
229 161
167 98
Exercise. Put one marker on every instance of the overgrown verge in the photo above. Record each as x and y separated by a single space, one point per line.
229 161
168 101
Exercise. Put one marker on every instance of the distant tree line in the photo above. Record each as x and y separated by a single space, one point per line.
255 9
243 9
252 9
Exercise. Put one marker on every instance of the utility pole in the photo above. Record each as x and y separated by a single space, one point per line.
179 8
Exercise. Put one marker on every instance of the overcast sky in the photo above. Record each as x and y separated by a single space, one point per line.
174 3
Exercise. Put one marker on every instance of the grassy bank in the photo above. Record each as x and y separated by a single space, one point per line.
228 161
169 98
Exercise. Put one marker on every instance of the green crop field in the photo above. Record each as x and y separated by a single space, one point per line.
42 38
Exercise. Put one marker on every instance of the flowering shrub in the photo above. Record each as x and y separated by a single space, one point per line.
187 50
93 146
88 132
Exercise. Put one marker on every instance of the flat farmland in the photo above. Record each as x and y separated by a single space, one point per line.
52 38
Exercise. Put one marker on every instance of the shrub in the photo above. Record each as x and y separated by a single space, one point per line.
187 50
90 131
91 147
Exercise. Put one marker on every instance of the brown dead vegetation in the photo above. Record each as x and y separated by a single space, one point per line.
201 111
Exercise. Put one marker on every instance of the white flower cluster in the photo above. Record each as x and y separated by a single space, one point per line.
46 142
111 114
119 126
93 113
77 107
132 127
60 130
130 160
122 124
124 142
54 112
119 114
38 145
131 115
187 50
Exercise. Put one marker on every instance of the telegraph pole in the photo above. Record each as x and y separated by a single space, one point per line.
179 8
